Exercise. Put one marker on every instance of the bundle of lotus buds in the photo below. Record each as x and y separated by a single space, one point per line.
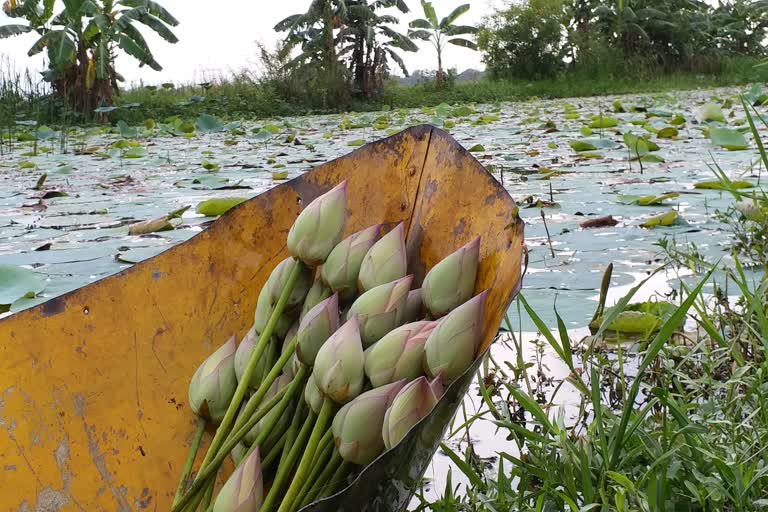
343 359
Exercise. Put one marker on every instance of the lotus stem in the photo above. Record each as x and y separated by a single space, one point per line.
324 477
282 399
293 431
286 465
274 452
338 477
208 496
242 386
255 400
190 459
306 461
324 451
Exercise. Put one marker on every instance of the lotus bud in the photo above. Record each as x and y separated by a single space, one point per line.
319 227
213 384
317 326
436 385
453 344
399 354
342 268
358 425
238 453
381 309
243 355
313 396
385 261
264 311
339 365
413 306
244 491
452 281
281 424
412 403
279 277
316 294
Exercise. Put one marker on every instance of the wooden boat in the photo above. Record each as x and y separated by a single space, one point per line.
93 384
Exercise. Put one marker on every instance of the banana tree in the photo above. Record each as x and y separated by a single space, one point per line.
369 41
442 32
83 39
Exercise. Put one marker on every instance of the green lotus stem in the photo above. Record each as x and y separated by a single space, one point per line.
274 452
324 451
190 459
321 481
194 501
242 387
255 400
306 461
338 477
281 400
294 390
292 432
208 496
286 465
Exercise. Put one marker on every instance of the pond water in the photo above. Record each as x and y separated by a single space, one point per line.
113 178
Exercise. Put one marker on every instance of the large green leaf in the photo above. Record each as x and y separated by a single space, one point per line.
429 12
61 49
459 30
206 123
158 26
421 23
155 9
419 34
464 43
448 20
710 112
136 50
728 138
13 30
17 282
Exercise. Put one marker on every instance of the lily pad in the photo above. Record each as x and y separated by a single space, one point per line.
710 112
219 206
718 185
663 219
728 138
18 282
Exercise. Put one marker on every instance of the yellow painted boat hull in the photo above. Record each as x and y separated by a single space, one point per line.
93 384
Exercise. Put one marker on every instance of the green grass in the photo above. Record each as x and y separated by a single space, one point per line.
243 98
677 423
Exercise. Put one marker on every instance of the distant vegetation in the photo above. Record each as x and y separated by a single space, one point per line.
340 55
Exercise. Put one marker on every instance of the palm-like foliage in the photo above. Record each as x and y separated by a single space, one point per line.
341 37
443 32
83 38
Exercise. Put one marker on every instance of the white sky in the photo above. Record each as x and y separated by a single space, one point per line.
218 37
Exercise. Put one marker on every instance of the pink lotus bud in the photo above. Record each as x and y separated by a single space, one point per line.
452 281
213 384
357 426
317 326
244 491
415 401
316 294
339 365
436 385
385 261
399 354
319 227
381 309
453 344
413 306
342 268
279 277
313 396
243 355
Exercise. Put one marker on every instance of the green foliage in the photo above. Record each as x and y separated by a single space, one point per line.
443 32
82 39
524 41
